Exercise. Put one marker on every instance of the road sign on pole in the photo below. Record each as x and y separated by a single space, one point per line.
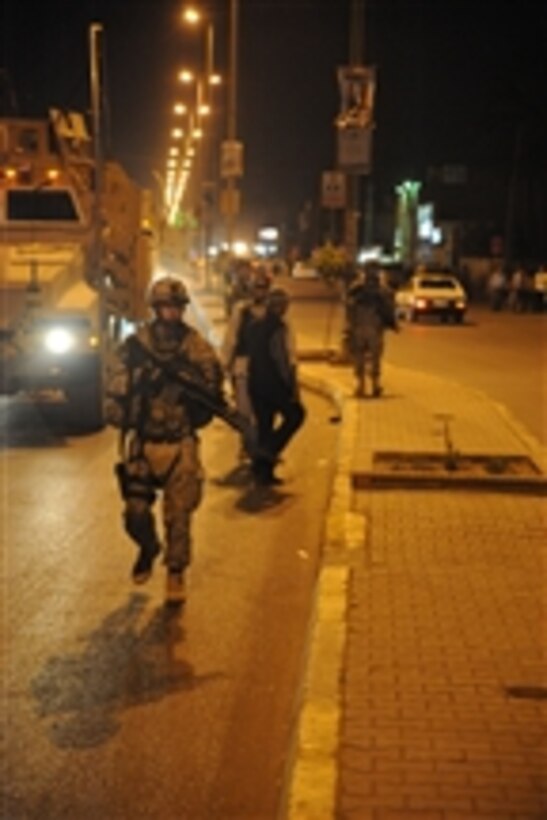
230 202
355 149
231 159
333 189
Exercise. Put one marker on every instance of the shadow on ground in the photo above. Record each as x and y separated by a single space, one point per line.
128 660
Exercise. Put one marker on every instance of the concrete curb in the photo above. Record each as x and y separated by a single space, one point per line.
312 776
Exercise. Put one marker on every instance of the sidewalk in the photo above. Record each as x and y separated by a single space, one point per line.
425 689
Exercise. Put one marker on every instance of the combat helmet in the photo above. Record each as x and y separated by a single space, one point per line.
168 290
260 279
372 273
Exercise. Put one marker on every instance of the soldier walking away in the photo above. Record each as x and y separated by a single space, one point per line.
273 386
370 310
159 422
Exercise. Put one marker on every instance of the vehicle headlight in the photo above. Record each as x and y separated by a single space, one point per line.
59 340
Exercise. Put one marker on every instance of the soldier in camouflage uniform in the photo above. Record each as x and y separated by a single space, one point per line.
369 310
160 423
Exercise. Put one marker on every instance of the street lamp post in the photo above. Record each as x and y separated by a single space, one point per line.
195 16
231 202
356 58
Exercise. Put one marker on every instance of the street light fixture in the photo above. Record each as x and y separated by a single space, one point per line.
186 76
194 16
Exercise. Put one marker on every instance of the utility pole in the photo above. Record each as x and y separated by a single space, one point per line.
356 59
95 32
231 202
97 278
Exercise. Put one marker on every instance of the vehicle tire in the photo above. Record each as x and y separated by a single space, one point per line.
413 316
458 319
85 399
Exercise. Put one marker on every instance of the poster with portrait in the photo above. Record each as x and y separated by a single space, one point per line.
357 87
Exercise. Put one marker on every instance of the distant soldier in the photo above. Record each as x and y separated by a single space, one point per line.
159 423
369 310
237 284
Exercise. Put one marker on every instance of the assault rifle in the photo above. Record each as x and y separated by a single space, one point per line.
198 392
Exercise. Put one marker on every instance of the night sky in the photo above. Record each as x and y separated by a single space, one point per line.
455 79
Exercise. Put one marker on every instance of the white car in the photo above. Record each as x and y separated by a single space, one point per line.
301 270
431 294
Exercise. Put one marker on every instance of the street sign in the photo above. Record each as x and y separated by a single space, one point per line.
355 149
230 201
231 159
333 189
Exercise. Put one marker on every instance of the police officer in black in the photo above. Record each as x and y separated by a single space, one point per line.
273 386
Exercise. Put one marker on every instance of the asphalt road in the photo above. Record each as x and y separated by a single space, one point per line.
503 354
111 706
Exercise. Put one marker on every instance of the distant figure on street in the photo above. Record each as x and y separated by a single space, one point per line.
237 284
520 290
540 288
273 386
497 289
369 310
159 423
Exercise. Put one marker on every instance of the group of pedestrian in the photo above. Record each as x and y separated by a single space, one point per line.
166 382
520 291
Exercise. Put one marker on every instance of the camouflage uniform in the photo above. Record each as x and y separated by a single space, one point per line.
370 311
162 447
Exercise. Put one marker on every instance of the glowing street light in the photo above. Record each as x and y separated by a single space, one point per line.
186 76
191 15
194 17
179 109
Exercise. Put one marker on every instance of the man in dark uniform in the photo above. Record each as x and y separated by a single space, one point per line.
160 423
273 386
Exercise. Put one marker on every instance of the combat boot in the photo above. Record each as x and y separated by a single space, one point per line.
377 389
175 588
142 568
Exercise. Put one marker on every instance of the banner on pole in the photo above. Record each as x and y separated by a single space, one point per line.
357 87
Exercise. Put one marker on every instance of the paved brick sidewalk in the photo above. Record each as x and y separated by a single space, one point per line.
443 670
424 693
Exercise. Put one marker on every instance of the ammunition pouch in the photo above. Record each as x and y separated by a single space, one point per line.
131 486
121 477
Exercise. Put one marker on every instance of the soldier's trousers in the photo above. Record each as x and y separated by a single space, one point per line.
174 470
368 348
